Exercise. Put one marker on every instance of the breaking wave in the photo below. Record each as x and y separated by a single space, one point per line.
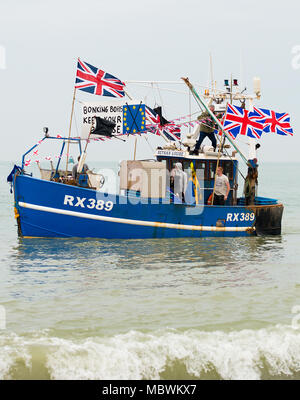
269 353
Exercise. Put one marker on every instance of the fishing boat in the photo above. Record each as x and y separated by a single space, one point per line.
59 204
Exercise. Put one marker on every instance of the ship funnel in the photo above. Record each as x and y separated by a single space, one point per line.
256 86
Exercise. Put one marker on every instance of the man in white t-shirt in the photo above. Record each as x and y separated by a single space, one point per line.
222 188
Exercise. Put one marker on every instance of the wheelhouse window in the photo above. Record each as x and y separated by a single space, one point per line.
212 169
227 169
172 161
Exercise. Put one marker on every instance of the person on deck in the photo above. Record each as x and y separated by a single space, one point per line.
222 188
207 128
180 181
251 182
74 170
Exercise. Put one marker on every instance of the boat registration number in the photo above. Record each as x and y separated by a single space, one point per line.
83 202
239 217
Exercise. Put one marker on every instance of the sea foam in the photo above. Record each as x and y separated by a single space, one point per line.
170 354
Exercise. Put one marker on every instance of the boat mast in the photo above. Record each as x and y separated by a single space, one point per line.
211 73
70 127
252 150
252 143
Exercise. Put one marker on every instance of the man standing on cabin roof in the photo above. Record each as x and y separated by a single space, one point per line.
222 188
207 128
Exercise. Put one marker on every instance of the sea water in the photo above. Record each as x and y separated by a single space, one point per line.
209 308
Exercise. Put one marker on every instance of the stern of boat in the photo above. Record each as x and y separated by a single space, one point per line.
268 219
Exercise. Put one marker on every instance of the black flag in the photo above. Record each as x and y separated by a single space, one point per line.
103 127
163 120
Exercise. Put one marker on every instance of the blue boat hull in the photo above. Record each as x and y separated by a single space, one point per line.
50 209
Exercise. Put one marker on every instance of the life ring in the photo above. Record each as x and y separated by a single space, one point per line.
209 200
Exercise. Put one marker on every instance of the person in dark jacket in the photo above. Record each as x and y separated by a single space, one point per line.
207 128
74 170
251 182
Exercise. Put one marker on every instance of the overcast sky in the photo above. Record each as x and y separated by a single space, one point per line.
142 40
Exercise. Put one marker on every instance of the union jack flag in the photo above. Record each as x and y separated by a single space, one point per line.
94 80
171 130
217 130
152 121
275 122
240 121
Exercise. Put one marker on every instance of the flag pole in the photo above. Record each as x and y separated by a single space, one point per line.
217 166
83 155
70 127
134 152
130 98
